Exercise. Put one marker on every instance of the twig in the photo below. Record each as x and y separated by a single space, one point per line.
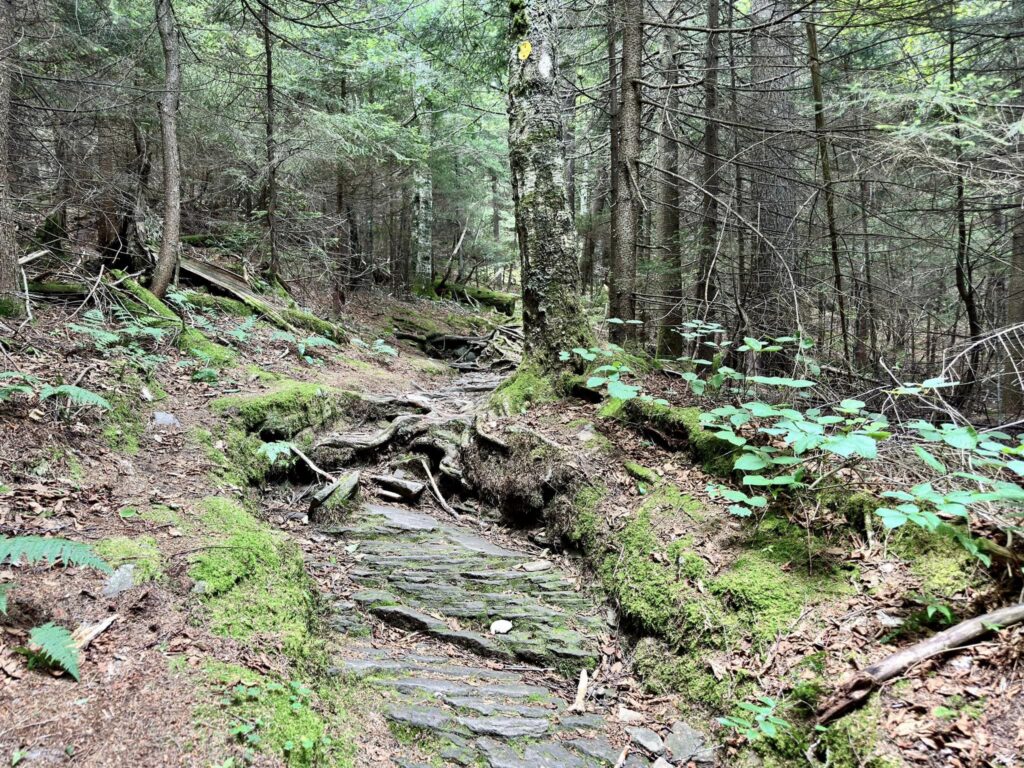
298 452
437 493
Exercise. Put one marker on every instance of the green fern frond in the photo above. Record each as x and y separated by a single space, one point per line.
16 389
77 395
38 549
56 646
28 378
100 336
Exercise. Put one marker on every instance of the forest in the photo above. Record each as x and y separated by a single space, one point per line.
526 384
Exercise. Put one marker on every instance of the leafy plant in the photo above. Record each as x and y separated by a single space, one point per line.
761 723
55 646
16 383
75 396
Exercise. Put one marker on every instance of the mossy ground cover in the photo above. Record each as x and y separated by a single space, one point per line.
141 552
289 407
528 386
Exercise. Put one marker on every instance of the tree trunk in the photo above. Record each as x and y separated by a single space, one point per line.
170 242
591 235
611 257
626 210
826 178
553 319
670 342
1013 379
269 120
706 286
770 303
10 304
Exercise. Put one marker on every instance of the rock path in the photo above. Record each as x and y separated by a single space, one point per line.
419 573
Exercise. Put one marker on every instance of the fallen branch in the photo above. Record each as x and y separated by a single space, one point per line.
437 493
856 691
295 449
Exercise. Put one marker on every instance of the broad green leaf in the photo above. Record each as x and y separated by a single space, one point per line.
750 462
930 460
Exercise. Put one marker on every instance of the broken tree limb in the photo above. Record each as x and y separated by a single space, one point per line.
309 462
340 490
437 493
406 490
857 690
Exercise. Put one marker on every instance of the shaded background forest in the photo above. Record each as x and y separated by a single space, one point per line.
846 170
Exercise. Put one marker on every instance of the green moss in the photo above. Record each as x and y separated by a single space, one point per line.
160 515
664 672
142 552
263 375
642 473
715 454
669 502
237 457
853 741
254 580
302 725
287 409
944 567
123 425
529 386
503 302
191 340
11 307
223 304
584 529
650 593
314 324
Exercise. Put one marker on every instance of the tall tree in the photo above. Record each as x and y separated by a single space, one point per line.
705 288
627 204
553 319
770 296
670 342
169 100
9 304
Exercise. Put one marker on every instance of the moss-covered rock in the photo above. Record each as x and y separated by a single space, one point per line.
945 568
288 408
855 741
529 386
665 671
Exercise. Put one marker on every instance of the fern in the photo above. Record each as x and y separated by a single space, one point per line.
37 549
241 333
56 647
77 395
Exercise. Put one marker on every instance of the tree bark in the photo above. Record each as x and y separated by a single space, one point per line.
706 286
670 342
10 303
826 178
626 210
1013 379
553 318
271 140
170 244
770 303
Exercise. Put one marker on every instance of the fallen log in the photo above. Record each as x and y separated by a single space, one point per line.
857 690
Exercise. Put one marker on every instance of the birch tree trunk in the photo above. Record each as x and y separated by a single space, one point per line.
553 318
170 242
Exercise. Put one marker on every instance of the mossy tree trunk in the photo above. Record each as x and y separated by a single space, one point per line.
9 303
553 318
670 342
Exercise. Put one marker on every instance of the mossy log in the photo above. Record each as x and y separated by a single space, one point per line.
498 300
57 290
190 340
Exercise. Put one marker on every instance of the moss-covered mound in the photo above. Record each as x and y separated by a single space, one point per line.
288 408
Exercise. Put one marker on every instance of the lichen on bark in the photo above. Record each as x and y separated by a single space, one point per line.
553 317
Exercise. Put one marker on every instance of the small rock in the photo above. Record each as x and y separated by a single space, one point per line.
120 581
164 419
661 762
626 715
501 627
199 587
505 727
888 621
648 739
686 744
536 565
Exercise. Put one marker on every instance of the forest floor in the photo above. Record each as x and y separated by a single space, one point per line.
250 634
